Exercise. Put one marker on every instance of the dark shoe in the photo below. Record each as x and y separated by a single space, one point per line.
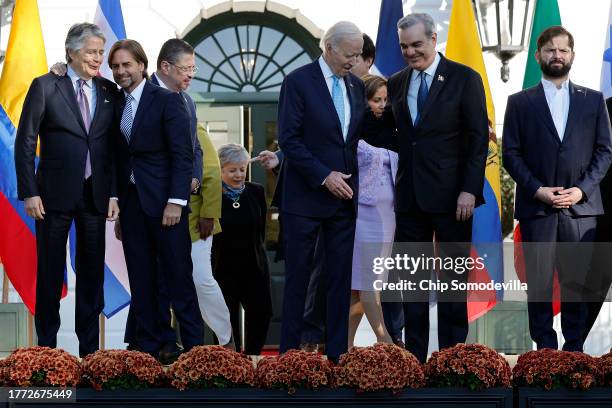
398 342
169 354
133 347
309 347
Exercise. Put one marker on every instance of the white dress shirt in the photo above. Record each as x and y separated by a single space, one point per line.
329 80
415 83
135 100
558 100
89 88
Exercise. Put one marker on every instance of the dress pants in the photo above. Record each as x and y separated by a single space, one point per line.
455 237
571 263
145 243
301 235
316 300
210 298
51 237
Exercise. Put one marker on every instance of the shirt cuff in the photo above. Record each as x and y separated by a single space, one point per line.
114 198
178 201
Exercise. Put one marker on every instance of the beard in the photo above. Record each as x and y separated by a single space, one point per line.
555 72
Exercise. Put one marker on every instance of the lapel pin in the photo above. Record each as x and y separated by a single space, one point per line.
441 78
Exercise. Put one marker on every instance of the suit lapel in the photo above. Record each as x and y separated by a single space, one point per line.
438 81
350 91
67 90
324 94
145 100
101 93
538 100
577 95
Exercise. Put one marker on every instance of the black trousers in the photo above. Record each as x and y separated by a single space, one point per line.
600 276
316 299
301 235
419 227
571 262
148 246
51 237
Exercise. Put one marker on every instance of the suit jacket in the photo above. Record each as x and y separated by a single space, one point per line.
193 123
160 151
606 184
446 152
312 141
50 111
207 203
535 156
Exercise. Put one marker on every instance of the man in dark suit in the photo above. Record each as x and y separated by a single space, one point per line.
557 147
438 107
74 116
320 110
600 275
155 167
175 70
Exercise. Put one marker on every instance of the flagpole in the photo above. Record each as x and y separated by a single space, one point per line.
102 332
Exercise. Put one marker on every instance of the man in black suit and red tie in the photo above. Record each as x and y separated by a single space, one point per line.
74 116
439 110
557 147
155 168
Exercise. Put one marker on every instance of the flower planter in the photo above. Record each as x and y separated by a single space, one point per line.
538 397
210 398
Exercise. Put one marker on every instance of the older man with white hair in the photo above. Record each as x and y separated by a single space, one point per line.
320 109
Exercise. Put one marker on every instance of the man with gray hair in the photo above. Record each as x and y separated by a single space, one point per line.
74 116
320 110
438 109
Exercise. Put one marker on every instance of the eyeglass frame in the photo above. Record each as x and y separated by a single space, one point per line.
184 70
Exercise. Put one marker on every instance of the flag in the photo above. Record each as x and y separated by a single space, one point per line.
606 67
389 58
25 60
546 14
110 20
463 46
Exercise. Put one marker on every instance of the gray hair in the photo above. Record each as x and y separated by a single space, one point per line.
418 18
233 153
78 34
342 30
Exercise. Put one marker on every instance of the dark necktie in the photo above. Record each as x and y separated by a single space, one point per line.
86 115
422 95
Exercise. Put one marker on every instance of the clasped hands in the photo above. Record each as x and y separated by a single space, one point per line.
559 197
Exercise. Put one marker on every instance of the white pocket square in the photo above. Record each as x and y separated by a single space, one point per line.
106 101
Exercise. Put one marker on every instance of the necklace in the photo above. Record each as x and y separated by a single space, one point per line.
233 194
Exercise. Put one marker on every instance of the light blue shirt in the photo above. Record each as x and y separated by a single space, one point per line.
415 83
89 88
329 80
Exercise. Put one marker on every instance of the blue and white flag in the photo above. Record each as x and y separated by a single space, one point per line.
110 19
606 68
389 58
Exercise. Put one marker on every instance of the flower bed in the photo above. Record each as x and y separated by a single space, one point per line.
40 367
473 366
292 370
378 367
551 369
122 369
211 367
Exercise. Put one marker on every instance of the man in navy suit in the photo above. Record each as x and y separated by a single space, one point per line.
175 70
320 111
557 147
73 115
155 168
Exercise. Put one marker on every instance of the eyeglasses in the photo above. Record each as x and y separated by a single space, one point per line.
185 70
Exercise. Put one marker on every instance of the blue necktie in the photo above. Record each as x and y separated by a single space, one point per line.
127 118
338 99
421 96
